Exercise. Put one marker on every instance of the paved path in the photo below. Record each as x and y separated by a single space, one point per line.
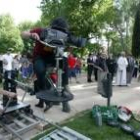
85 95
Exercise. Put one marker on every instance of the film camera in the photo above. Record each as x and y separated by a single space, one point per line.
58 38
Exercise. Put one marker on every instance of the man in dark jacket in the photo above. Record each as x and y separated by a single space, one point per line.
89 67
111 64
102 72
45 56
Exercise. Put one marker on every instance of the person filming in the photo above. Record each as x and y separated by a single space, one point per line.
45 56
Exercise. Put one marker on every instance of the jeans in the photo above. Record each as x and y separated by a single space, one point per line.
40 66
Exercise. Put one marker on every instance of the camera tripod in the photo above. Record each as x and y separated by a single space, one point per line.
56 93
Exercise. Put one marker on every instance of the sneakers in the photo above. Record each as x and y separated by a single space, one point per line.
89 81
48 106
77 82
39 105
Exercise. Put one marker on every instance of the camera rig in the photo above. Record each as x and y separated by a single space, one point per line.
55 93
58 40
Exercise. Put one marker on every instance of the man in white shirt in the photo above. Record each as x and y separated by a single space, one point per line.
7 61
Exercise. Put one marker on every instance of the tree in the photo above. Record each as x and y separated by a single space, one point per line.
25 26
136 34
9 35
126 11
85 17
79 13
28 43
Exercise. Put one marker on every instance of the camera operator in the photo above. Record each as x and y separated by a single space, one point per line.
44 56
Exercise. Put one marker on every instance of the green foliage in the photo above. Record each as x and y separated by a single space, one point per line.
28 43
85 17
26 26
91 17
82 15
136 35
9 35
126 10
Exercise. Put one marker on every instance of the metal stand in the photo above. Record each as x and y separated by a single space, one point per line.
107 88
56 93
108 101
9 85
66 107
59 50
16 119
11 110
59 70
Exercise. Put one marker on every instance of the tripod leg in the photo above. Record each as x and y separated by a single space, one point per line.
66 107
48 105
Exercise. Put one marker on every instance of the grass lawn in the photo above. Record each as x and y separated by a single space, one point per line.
84 124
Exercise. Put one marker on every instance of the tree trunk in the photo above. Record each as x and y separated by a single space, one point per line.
136 34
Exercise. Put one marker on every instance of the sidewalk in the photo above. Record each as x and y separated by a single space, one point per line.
85 95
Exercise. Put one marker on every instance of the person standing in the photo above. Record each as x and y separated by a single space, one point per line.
139 71
24 66
7 61
71 66
16 65
78 66
94 68
135 73
89 67
111 64
130 68
121 79
102 72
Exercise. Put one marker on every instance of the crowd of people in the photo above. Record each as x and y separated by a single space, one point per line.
20 64
122 68
23 66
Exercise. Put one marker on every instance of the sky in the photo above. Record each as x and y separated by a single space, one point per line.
21 10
